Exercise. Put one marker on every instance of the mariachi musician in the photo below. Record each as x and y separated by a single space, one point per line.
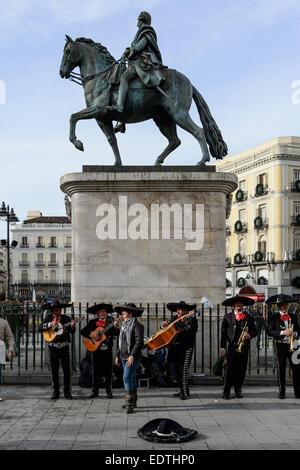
102 360
180 353
59 348
284 327
238 328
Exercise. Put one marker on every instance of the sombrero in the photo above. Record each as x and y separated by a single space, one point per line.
131 308
102 306
174 306
165 430
54 304
238 298
280 299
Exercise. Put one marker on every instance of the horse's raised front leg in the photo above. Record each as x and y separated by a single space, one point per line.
87 113
108 130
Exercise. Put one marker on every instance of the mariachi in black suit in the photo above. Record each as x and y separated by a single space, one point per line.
59 352
236 362
275 327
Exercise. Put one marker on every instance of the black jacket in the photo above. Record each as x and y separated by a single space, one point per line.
91 326
275 326
231 328
65 337
187 336
136 343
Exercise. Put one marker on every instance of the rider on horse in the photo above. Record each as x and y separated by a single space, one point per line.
144 60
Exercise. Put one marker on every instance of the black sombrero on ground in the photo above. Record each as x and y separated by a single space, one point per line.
165 430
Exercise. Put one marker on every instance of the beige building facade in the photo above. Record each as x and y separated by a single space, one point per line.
263 229
42 260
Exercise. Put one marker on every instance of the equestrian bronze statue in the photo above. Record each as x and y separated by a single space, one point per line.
136 88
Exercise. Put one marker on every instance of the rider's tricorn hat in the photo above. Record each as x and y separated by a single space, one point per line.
165 430
238 298
131 308
174 306
280 299
102 306
54 304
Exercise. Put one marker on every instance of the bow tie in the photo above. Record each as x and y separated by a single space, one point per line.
239 316
100 323
284 317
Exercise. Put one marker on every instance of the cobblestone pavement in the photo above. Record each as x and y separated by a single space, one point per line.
30 420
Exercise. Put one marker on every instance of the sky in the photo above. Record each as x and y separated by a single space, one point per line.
242 56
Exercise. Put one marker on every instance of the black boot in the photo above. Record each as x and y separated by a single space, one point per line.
55 395
226 394
281 394
94 394
68 396
238 393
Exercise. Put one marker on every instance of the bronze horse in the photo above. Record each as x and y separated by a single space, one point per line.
167 108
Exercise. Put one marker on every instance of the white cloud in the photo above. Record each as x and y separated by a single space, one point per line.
19 16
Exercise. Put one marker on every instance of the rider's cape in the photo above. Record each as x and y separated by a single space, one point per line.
145 57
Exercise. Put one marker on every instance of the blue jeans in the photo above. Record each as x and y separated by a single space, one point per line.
129 375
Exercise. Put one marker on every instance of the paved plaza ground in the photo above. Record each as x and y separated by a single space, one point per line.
30 420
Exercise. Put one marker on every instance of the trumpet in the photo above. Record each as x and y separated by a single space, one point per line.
241 340
291 337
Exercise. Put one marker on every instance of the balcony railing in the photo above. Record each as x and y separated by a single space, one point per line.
261 190
52 245
67 263
52 264
24 245
24 263
40 245
40 263
67 245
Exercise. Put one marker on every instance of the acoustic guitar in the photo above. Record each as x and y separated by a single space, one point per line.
92 345
167 336
58 330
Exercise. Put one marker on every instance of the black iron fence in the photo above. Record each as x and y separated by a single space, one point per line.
31 351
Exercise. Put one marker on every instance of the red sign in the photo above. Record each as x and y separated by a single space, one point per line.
255 297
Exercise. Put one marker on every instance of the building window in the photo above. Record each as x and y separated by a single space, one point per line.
296 242
53 276
68 243
68 276
40 260
53 243
242 246
40 275
262 212
262 179
262 244
242 215
24 242
68 259
296 175
242 185
52 259
40 242
24 276
296 208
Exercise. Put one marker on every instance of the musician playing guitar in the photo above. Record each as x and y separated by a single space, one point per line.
180 353
102 357
59 347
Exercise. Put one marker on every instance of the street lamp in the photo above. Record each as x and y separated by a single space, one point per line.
10 217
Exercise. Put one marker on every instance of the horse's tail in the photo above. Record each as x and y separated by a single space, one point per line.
217 146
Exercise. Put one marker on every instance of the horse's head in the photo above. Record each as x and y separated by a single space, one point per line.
70 59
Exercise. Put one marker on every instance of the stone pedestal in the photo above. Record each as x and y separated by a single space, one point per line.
145 258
